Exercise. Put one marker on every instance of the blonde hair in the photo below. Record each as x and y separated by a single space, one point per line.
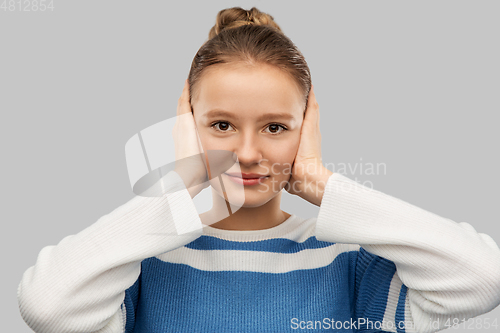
250 37
235 17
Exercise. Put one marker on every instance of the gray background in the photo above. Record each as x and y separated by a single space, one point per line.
412 85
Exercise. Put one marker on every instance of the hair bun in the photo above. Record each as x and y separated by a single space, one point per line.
234 17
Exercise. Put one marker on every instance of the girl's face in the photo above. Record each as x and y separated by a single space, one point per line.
255 112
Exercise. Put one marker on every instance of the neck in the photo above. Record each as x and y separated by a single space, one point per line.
260 217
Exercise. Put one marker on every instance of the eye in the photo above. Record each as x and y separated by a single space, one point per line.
224 127
276 127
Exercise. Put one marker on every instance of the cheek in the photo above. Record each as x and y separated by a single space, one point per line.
208 141
282 154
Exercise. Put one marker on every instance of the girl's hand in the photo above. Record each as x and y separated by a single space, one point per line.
190 163
309 176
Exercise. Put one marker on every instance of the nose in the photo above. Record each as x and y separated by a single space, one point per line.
249 150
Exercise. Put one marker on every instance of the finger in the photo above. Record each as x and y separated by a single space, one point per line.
183 105
316 106
311 117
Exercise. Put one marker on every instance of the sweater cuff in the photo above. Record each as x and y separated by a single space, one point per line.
336 185
182 199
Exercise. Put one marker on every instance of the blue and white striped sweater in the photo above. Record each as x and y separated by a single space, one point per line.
268 285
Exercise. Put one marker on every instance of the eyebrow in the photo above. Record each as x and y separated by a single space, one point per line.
267 116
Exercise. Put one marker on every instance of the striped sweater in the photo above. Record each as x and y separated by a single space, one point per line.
368 262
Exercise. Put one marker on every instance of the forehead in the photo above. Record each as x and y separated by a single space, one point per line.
248 91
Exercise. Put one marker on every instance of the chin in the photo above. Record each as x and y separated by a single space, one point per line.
255 202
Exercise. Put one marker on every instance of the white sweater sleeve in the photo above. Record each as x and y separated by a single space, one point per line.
79 284
449 269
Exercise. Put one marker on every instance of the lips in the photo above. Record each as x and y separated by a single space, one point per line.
247 182
246 175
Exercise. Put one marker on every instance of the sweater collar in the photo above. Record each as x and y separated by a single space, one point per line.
280 230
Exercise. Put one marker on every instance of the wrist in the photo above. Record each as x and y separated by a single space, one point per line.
189 182
314 185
